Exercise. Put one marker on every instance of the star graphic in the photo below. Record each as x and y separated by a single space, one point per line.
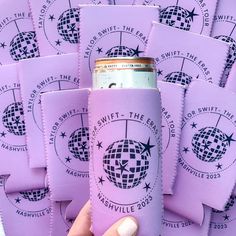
137 52
191 14
122 167
206 144
194 125
159 72
147 187
58 42
3 134
3 45
18 200
101 180
219 166
229 139
25 52
73 28
68 159
147 147
99 50
186 150
99 145
226 217
63 135
51 17
84 146
17 121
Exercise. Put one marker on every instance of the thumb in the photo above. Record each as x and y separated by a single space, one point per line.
127 226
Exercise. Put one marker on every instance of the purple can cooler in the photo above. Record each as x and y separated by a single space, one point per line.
125 164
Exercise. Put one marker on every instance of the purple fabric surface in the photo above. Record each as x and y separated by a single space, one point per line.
223 222
171 130
14 158
181 62
224 30
174 225
206 160
66 138
112 35
53 73
60 226
192 15
122 2
25 213
125 166
57 24
18 39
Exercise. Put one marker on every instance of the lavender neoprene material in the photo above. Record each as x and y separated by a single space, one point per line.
66 138
13 149
57 24
125 164
207 152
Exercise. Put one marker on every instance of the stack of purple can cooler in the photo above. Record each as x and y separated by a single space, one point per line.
127 104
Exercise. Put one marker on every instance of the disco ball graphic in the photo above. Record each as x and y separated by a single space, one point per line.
35 195
13 119
232 50
24 45
78 144
120 51
67 25
178 77
228 206
209 144
125 163
177 17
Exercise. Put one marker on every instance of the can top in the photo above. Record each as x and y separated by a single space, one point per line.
125 59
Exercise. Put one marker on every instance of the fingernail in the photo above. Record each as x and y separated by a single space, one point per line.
127 228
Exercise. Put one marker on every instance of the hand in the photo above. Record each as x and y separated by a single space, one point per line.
82 226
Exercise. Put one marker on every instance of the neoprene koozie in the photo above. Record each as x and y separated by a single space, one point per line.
175 225
181 62
17 36
37 76
171 130
125 166
66 138
207 152
113 34
60 226
192 15
223 222
26 212
13 158
224 29
57 24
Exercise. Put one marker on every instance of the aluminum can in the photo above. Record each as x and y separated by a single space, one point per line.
124 72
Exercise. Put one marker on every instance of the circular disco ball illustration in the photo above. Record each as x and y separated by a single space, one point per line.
13 119
24 45
35 195
232 50
125 164
67 25
178 77
78 144
228 206
209 144
120 51
177 17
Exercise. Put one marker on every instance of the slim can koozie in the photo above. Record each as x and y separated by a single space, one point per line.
125 165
